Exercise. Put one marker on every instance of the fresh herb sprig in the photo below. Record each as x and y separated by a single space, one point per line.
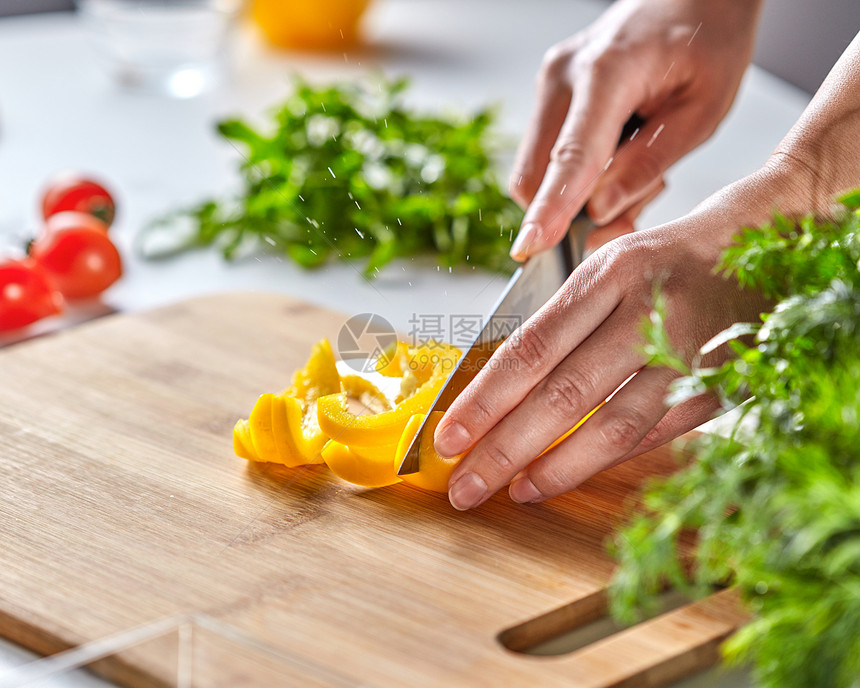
777 503
348 171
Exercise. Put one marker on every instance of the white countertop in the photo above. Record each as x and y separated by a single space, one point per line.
59 110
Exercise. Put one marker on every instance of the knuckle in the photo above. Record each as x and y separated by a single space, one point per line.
499 460
552 481
527 347
621 432
566 395
601 62
569 152
555 62
482 414
654 437
622 260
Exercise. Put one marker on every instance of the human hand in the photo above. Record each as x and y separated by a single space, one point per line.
675 63
583 344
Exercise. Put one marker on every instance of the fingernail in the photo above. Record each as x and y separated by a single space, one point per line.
468 491
451 439
524 491
604 204
525 238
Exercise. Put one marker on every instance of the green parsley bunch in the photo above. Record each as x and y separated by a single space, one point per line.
776 507
348 171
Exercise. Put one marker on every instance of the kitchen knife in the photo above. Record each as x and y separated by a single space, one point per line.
530 287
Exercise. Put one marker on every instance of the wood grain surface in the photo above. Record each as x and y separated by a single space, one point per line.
123 503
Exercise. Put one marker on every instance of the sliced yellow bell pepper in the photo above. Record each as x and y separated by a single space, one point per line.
277 433
366 466
261 430
318 377
283 428
365 393
340 424
242 443
312 422
394 362
434 471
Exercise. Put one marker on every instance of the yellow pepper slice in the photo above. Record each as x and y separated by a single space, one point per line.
283 428
365 393
243 446
277 434
394 362
368 466
261 431
318 377
339 423
434 471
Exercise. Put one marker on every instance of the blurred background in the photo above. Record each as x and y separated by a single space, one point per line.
133 98
799 40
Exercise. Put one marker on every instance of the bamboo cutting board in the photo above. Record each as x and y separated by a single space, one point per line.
123 503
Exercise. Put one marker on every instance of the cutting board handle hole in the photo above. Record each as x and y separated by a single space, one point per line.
574 626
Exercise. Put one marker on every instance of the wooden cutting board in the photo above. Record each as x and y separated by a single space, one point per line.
123 502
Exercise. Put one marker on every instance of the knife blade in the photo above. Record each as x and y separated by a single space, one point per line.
529 288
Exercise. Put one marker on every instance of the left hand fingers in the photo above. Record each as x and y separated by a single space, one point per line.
533 351
605 440
678 420
569 391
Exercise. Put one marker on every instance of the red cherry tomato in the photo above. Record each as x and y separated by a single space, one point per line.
81 260
75 192
26 295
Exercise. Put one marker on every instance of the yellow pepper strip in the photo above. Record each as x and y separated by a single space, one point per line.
318 377
299 440
243 446
260 429
434 471
283 428
339 423
277 433
368 467
393 363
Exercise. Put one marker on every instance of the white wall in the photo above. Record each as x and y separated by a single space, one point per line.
799 40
